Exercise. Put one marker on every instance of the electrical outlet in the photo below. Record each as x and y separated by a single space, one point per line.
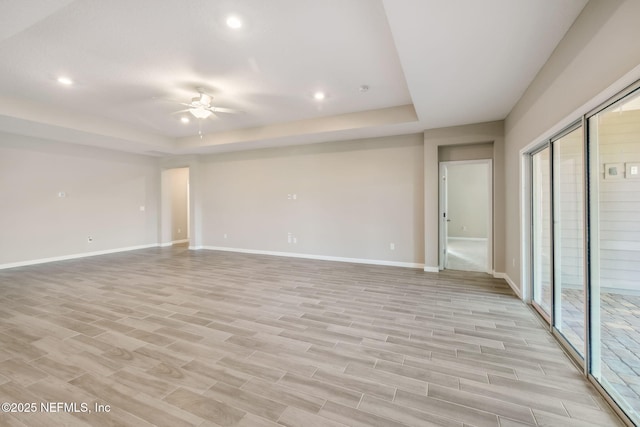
225 235
392 246
89 239
513 262
142 208
295 240
179 230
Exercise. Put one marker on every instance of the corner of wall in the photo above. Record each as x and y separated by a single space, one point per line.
511 283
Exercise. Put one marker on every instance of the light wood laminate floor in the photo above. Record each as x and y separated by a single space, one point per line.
172 337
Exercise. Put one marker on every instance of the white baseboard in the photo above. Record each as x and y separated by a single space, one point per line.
174 242
431 269
196 248
74 256
474 239
510 282
318 257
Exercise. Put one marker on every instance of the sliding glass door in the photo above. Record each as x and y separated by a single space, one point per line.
585 245
614 147
568 238
558 235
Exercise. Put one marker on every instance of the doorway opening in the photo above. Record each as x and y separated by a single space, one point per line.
466 215
175 224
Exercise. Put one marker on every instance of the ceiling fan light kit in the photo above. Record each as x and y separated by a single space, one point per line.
200 112
200 106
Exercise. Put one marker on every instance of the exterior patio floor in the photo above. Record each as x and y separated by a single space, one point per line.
619 335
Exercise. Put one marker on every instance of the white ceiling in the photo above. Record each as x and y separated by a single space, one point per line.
428 64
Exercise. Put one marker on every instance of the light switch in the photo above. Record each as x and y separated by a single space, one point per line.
632 170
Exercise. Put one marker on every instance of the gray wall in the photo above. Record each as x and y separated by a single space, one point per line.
599 49
452 153
104 193
352 199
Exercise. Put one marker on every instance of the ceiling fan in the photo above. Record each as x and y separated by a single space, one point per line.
200 107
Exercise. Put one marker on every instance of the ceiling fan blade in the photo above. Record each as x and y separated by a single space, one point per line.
160 98
181 111
224 110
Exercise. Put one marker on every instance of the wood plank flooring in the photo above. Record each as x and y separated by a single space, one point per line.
172 337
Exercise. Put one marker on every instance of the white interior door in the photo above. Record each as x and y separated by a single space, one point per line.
466 218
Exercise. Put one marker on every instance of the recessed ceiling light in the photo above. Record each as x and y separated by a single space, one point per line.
184 120
319 96
65 81
234 22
